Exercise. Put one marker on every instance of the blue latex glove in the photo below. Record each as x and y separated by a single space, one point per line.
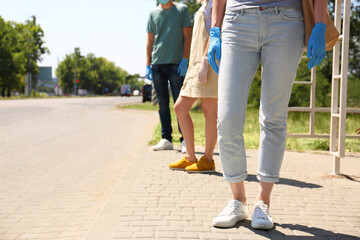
316 45
214 48
183 66
148 73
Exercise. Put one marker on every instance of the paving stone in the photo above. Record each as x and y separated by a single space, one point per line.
60 161
82 181
218 236
247 237
188 235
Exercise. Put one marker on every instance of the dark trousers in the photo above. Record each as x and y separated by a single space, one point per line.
163 74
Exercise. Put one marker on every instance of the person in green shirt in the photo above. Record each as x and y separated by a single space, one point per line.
168 49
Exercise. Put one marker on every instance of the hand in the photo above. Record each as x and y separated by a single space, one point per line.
183 66
149 73
316 45
214 48
203 70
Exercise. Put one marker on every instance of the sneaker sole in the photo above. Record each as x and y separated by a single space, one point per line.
163 149
228 225
178 169
261 226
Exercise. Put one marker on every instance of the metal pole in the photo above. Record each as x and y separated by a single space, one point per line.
338 113
75 78
344 77
312 102
335 84
29 72
30 80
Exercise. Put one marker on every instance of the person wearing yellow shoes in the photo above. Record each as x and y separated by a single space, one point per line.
203 165
200 83
182 164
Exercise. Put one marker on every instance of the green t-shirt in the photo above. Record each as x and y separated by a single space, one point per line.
167 26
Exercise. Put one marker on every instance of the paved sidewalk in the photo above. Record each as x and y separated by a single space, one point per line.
81 169
60 160
153 202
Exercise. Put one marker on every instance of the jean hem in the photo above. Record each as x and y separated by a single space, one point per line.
235 179
267 178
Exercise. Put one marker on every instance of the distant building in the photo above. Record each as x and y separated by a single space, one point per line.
45 78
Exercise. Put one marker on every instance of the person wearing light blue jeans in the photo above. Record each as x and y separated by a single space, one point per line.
254 32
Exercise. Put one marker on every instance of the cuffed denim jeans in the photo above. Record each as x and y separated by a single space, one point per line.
273 37
162 75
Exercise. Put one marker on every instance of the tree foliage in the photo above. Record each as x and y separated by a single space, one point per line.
193 5
21 47
95 74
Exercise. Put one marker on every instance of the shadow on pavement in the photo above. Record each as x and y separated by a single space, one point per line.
283 181
309 233
218 174
287 181
343 176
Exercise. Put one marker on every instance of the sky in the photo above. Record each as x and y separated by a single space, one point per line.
114 29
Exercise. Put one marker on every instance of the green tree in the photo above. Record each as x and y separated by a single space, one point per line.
96 74
134 82
8 67
19 44
35 47
354 57
65 73
89 73
193 5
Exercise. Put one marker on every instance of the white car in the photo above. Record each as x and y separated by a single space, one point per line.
136 93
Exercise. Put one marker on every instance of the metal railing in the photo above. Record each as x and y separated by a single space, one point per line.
338 109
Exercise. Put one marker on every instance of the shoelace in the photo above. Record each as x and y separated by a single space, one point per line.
229 209
261 212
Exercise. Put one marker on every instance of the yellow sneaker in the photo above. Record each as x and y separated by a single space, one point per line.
203 165
181 165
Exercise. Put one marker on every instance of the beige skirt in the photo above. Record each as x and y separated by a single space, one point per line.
191 86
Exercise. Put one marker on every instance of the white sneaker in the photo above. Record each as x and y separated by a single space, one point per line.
234 212
164 144
183 146
261 218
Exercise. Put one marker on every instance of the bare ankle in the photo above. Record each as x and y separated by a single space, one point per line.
190 159
266 201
